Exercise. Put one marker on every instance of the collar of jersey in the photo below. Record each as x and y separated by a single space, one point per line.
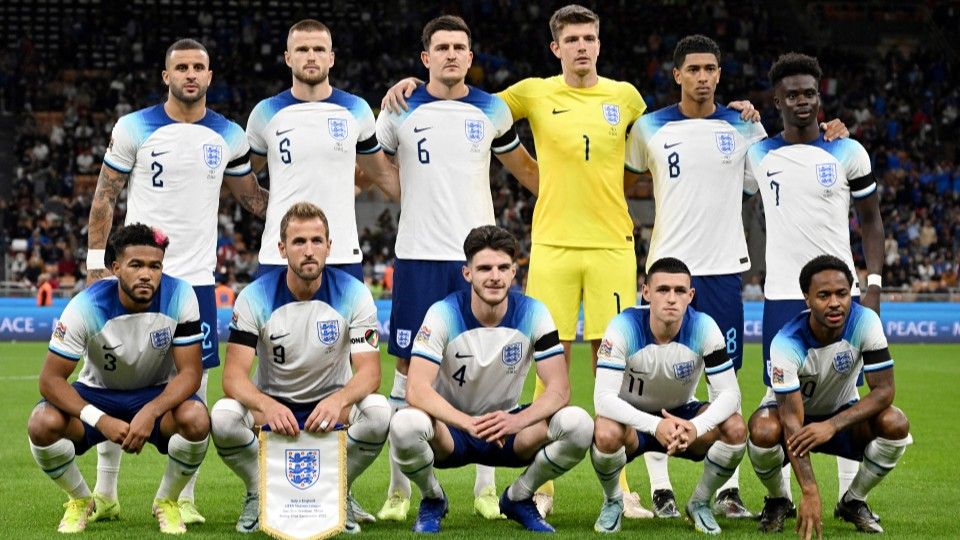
470 320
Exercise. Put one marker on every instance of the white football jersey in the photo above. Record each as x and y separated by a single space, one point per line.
176 170
443 149
482 369
806 190
662 376
311 149
124 350
304 347
697 166
826 375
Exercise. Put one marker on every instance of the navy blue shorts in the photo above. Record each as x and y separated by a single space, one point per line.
210 345
354 269
468 449
301 411
123 405
721 297
416 286
649 443
841 444
776 314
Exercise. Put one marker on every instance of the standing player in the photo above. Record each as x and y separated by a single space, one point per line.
648 367
308 324
806 184
813 404
311 136
175 155
471 357
442 145
140 337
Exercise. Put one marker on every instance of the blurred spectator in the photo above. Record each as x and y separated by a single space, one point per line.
44 291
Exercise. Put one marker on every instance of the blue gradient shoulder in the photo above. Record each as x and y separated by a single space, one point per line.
231 132
175 295
760 149
862 322
357 106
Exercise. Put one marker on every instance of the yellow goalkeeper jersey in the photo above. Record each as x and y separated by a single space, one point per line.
580 138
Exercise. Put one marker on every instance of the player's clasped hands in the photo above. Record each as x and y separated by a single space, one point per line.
810 437
324 416
675 434
280 419
496 426
114 429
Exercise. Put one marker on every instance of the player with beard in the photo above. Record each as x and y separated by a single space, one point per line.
175 155
139 336
308 324
470 360
310 137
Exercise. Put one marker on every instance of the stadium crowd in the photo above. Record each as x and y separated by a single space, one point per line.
901 103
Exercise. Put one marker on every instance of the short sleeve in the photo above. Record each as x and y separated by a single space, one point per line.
69 338
506 138
713 346
188 329
431 339
239 164
636 157
750 185
613 350
244 326
121 154
367 128
634 101
256 124
859 172
786 357
364 336
546 338
387 132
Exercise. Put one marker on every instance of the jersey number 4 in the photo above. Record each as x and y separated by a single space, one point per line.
460 375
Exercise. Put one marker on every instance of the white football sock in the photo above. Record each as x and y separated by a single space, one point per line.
231 427
608 467
410 433
719 465
768 464
59 463
569 435
369 423
183 459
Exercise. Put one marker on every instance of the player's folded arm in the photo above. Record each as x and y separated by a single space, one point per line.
608 403
723 380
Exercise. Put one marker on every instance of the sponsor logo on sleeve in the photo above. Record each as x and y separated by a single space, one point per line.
372 337
777 375
423 336
606 348
60 331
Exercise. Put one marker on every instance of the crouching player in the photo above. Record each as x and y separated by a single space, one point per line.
140 336
307 324
470 360
648 366
813 404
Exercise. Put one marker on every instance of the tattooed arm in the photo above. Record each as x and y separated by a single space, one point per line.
109 186
248 192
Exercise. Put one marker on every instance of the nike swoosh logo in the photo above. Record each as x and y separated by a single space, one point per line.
253 526
638 372
560 111
615 525
278 336
154 153
458 355
279 133
704 525
773 173
669 146
111 348
418 130
204 359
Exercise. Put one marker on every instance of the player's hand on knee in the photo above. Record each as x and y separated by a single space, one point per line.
810 437
809 520
324 416
114 429
497 425
747 111
395 100
280 419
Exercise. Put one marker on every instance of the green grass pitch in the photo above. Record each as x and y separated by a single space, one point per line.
918 500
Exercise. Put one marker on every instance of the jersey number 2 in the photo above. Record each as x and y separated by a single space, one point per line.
157 169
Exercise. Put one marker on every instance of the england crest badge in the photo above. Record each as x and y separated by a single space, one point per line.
683 370
403 337
726 142
303 467
212 155
843 361
512 354
328 331
827 174
473 130
160 339
611 113
337 128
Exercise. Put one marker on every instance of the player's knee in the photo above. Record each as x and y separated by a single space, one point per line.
733 430
374 412
892 423
607 435
765 430
193 422
574 425
46 424
229 423
409 427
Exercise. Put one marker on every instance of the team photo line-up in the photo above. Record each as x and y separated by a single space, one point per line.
463 338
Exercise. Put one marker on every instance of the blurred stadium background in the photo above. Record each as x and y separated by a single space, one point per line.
69 69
